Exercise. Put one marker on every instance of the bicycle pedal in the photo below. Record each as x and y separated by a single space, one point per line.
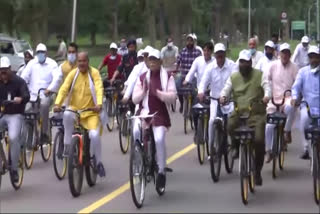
167 169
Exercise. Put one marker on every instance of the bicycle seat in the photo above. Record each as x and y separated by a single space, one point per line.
276 118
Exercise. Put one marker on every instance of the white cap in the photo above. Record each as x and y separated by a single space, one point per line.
140 53
284 46
195 36
190 35
305 39
313 49
5 62
148 49
41 47
269 44
245 55
219 47
113 45
155 53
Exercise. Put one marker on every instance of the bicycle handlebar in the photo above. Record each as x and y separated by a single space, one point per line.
309 112
278 105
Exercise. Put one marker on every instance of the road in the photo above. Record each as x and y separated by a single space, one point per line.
189 187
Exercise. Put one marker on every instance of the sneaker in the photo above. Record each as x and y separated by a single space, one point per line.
305 155
287 137
268 157
258 179
161 181
100 170
15 176
66 150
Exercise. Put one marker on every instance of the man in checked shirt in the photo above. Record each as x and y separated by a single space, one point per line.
184 62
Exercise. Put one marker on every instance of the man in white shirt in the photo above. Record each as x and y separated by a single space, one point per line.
28 56
255 54
38 74
123 50
197 70
169 55
264 62
62 50
216 74
300 55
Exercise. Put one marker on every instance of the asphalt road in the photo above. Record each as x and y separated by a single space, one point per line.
189 187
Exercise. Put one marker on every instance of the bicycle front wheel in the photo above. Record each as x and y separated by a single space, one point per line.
215 153
228 159
75 168
111 115
59 162
29 145
315 173
275 151
124 134
281 150
243 174
137 175
17 185
200 142
185 115
252 172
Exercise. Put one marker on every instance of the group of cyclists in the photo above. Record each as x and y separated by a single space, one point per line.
152 80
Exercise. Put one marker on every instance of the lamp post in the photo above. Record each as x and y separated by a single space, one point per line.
249 19
309 19
74 15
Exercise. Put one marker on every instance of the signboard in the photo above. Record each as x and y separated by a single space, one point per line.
298 25
284 17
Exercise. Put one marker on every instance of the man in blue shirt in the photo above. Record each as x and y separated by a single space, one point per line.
307 84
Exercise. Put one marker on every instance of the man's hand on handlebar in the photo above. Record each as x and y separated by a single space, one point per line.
57 109
223 100
47 92
17 100
295 102
265 100
124 100
97 109
185 83
201 97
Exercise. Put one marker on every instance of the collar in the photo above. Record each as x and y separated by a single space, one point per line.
224 65
315 70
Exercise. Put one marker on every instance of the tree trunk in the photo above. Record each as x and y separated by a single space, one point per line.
93 38
162 32
115 34
151 22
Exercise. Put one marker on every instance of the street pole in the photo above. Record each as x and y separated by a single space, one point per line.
318 26
309 27
249 20
74 15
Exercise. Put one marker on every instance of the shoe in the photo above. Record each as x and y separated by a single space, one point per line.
258 179
66 151
305 155
287 137
268 157
15 176
100 170
235 153
161 181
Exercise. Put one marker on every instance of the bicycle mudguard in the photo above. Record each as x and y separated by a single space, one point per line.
80 147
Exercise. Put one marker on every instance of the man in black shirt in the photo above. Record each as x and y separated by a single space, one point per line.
12 88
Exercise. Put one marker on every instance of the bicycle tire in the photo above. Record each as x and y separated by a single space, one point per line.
200 142
206 137
73 162
90 164
58 148
28 148
136 154
185 115
111 115
275 152
228 159
17 185
47 146
124 133
281 150
215 153
252 172
244 183
315 173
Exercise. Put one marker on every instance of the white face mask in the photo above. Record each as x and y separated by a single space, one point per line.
170 44
72 58
113 57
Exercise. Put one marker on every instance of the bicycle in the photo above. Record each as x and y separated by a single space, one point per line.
203 112
79 158
278 118
33 126
124 127
186 92
5 154
112 93
313 133
59 161
221 145
247 168
143 166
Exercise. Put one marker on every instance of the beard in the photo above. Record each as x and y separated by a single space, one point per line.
245 70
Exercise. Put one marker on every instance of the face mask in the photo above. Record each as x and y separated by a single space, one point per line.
170 44
72 58
123 45
269 55
253 51
113 57
41 57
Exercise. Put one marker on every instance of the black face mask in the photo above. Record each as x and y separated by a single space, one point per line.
132 52
269 55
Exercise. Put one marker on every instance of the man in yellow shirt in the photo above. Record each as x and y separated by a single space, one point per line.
83 89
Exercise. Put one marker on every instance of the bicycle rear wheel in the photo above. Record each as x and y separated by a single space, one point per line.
215 152
244 182
29 146
75 168
59 162
137 175
200 142
315 173
228 159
